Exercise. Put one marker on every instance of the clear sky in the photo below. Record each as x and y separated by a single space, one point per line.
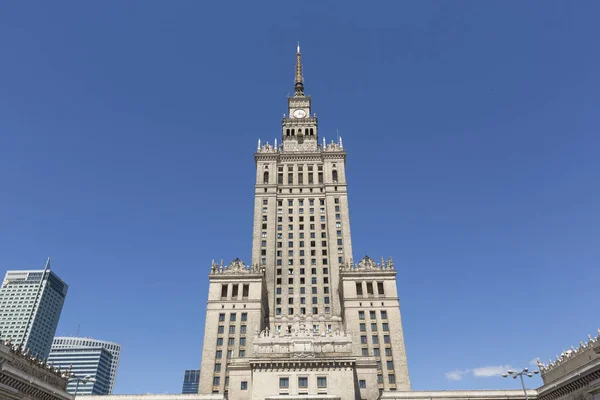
127 132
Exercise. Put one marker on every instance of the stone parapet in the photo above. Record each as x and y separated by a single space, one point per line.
461 395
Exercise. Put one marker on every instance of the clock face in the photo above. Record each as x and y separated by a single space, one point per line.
299 113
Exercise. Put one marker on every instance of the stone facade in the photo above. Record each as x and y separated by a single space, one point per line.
26 377
293 322
574 375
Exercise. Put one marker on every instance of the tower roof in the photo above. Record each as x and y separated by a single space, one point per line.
299 86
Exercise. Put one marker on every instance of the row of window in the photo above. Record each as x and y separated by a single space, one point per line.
307 131
384 327
233 317
300 178
313 290
302 310
360 292
372 314
229 354
376 352
235 290
375 339
284 382
315 300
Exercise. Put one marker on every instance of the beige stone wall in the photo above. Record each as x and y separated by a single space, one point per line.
252 306
387 302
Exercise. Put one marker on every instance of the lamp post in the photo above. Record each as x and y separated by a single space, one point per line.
79 380
515 374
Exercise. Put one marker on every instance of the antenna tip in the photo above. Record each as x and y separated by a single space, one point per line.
298 48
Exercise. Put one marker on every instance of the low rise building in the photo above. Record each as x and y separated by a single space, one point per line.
25 377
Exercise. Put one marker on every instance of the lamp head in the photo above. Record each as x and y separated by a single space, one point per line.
525 369
505 375
510 371
536 372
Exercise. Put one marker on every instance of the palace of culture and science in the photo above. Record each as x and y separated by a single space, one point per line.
303 318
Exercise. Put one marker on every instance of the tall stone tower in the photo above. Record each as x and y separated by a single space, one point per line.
303 318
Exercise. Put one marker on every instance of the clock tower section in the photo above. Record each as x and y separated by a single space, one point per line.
299 129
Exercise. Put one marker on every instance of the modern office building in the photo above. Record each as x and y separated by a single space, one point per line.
191 379
303 319
66 342
92 361
30 305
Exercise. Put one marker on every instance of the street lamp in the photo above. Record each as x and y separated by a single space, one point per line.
84 380
515 374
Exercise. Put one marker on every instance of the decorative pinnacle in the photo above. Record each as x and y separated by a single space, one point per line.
299 86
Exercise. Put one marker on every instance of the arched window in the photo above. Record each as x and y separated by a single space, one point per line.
311 132
334 175
299 131
287 132
266 177
293 132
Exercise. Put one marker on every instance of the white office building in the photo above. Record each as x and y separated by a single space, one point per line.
66 342
30 305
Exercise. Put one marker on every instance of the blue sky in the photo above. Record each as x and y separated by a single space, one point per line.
127 132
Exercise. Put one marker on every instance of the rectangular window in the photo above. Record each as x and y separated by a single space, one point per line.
302 382
384 315
242 353
284 383
365 352
385 326
386 339
359 290
218 354
375 339
232 316
376 352
216 381
218 367
391 379
220 341
243 330
380 288
244 385
363 339
231 341
369 287
245 292
372 315
223 293
380 379
321 382
390 365
373 327
220 329
362 384
388 351
221 317
363 327
231 328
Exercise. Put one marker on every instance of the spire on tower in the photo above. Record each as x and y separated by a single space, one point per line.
299 86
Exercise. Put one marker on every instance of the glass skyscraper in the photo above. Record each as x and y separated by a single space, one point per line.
30 307
84 360
190 381
73 342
